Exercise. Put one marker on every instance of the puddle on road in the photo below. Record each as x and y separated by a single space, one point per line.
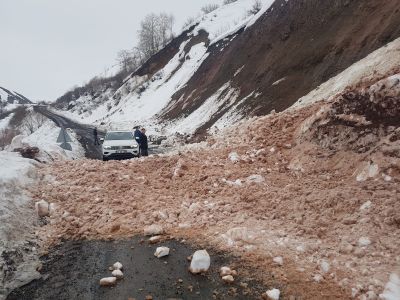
73 271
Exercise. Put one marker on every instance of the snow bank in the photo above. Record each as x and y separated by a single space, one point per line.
45 138
17 219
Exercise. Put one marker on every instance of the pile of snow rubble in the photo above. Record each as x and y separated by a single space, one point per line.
18 249
19 163
309 197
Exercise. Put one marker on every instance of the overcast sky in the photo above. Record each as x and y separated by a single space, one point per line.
48 46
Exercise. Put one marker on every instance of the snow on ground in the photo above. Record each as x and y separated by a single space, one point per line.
17 216
45 138
4 122
282 194
378 62
159 92
17 219
229 18
140 99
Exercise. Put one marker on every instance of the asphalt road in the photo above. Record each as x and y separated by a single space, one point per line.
73 270
84 133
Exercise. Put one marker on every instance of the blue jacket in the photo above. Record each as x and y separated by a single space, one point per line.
138 136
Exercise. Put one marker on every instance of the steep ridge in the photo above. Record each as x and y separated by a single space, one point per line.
231 65
8 98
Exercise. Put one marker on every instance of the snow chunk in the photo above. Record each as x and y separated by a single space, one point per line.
42 208
278 260
108 281
369 171
225 271
324 266
237 182
234 157
255 178
364 242
118 274
161 252
366 205
392 289
153 230
228 278
117 266
200 262
318 278
273 294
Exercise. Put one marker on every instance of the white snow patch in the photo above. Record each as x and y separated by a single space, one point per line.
279 81
273 294
45 138
392 289
380 61
370 170
200 262
4 122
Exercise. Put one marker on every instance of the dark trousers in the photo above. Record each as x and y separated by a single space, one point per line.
96 140
144 152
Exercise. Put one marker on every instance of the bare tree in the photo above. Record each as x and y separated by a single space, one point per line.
154 33
189 21
126 60
32 122
6 136
148 43
257 5
229 1
209 8
165 28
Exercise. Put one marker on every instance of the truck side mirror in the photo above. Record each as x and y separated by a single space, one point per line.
102 140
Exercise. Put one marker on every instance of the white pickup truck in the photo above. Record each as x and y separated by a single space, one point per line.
119 145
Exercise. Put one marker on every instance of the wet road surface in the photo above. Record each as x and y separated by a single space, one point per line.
73 271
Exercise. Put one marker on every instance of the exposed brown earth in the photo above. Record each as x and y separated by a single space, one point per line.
302 43
318 186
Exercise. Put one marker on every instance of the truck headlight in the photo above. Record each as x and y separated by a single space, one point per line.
107 147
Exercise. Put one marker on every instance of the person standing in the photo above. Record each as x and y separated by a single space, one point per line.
144 146
138 136
95 135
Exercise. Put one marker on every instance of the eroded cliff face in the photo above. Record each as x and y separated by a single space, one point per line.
294 47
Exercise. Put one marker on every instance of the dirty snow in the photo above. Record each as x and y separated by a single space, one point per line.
309 218
17 219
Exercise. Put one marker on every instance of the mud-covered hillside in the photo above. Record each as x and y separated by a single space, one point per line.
231 65
294 47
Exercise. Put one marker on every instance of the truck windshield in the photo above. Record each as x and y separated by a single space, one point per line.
114 136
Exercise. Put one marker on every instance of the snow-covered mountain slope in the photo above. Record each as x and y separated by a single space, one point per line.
232 64
8 99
